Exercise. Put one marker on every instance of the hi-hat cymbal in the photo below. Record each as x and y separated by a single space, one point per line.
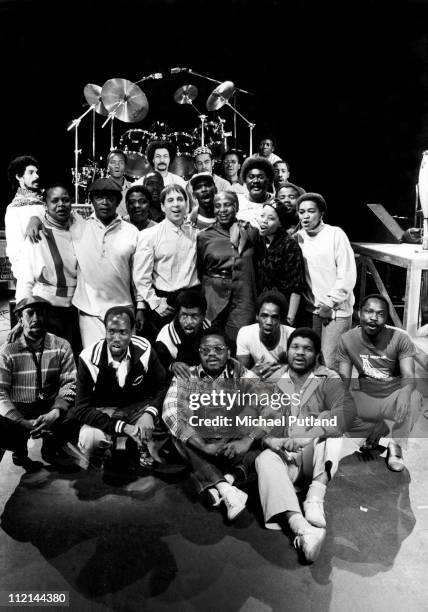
220 95
186 94
125 99
92 95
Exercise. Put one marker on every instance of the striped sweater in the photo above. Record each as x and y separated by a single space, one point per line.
18 376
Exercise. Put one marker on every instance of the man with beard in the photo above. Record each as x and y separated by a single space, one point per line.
160 154
116 164
23 174
262 346
308 448
37 385
257 174
204 190
177 343
379 353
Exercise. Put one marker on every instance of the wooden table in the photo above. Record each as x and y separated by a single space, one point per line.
409 256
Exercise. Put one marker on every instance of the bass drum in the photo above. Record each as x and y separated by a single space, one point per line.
133 143
183 162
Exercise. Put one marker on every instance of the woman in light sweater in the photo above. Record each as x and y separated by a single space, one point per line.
330 274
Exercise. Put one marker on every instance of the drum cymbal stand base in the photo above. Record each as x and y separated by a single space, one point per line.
75 125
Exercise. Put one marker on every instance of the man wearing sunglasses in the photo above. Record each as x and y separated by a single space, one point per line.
201 414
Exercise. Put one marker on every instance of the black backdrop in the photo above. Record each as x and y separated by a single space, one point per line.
342 86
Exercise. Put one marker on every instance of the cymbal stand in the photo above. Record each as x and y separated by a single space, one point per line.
111 117
204 76
75 125
201 117
251 126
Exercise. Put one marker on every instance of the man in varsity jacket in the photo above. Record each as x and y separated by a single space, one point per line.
120 388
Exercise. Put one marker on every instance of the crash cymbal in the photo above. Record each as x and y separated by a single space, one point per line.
125 99
92 95
220 95
186 94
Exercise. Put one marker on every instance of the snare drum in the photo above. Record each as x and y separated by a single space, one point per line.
133 143
183 162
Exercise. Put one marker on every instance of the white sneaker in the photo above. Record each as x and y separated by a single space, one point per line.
310 541
314 512
235 501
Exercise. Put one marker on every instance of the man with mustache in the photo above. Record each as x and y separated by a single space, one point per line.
160 154
384 358
23 174
37 385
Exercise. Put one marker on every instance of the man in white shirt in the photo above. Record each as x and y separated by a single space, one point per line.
160 154
23 173
262 346
108 261
167 255
266 150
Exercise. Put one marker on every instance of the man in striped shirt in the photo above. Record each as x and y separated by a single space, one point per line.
37 385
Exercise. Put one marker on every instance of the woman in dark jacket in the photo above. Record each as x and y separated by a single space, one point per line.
278 258
225 268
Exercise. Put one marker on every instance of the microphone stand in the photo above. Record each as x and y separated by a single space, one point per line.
75 125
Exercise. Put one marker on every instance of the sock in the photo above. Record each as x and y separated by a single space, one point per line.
223 487
316 491
298 523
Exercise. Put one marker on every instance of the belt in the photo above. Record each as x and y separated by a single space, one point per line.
227 274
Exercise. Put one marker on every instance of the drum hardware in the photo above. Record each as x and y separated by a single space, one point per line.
185 95
220 97
160 131
92 95
183 164
134 144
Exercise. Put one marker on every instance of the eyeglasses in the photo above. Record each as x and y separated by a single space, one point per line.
217 349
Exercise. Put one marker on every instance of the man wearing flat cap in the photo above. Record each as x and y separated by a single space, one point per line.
160 154
108 261
37 385
257 175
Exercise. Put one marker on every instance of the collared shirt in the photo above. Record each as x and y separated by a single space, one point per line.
108 264
18 376
122 367
168 260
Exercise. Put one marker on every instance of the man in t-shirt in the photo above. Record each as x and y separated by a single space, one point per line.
384 359
262 346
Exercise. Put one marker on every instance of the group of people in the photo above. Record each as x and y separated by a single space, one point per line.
179 313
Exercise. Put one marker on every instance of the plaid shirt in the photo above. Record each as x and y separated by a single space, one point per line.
234 378
18 376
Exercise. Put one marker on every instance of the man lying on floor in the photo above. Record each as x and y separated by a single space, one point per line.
308 448
120 390
214 425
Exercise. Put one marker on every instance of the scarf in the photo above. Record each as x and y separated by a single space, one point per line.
26 197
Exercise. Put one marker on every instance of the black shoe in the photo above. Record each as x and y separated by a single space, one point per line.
28 464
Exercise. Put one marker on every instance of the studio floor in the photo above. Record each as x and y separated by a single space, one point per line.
152 545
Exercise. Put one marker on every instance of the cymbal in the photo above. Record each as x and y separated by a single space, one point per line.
125 99
220 95
186 94
92 95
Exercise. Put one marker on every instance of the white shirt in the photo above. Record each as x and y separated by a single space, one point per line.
108 264
330 269
250 211
122 367
272 158
16 221
168 259
248 343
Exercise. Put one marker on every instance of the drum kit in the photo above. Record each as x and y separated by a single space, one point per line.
123 100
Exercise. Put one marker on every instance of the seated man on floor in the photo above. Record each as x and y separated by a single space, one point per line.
120 389
218 450
37 385
384 358
262 346
307 449
177 343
